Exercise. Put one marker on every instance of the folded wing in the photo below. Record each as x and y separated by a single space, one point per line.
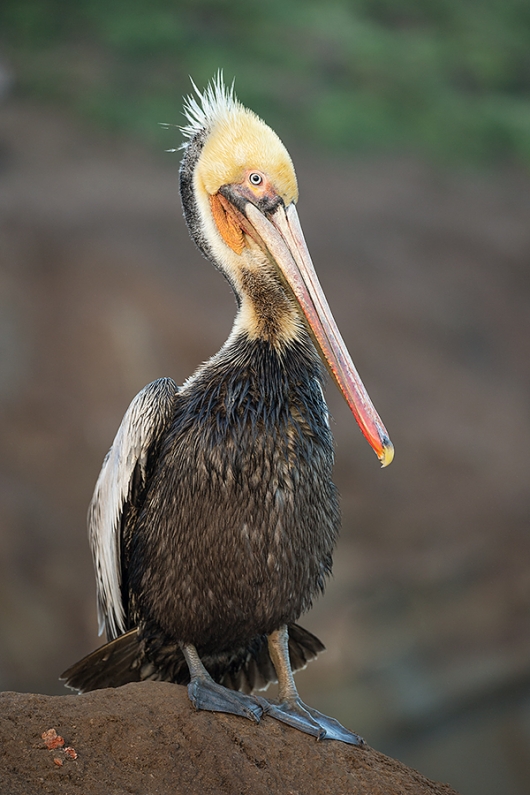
124 470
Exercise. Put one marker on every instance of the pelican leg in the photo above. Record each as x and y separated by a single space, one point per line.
206 694
291 709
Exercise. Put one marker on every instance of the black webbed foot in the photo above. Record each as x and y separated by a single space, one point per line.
206 694
295 713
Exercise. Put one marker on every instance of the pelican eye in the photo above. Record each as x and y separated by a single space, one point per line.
255 178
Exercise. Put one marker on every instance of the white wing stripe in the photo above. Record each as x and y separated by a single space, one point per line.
144 421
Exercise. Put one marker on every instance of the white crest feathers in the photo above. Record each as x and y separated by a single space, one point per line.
209 106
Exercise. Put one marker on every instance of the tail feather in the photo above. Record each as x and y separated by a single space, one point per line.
303 647
128 658
114 664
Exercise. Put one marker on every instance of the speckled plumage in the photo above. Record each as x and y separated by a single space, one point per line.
238 525
229 528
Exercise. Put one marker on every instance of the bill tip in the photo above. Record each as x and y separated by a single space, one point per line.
387 454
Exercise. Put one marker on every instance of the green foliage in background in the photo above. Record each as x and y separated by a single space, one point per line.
443 77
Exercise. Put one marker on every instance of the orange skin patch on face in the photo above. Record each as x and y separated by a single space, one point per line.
226 223
231 223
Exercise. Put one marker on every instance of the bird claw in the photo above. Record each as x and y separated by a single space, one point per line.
306 719
294 715
206 694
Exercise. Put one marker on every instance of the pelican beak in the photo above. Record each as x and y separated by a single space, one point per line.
280 235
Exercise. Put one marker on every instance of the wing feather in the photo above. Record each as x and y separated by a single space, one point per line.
144 422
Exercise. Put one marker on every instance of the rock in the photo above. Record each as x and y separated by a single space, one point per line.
146 738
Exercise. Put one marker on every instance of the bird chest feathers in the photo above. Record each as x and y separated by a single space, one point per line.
243 485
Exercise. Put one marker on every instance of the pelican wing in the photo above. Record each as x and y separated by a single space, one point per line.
125 466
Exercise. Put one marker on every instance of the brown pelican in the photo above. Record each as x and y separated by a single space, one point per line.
214 518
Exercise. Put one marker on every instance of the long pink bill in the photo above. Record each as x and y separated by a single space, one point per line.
283 237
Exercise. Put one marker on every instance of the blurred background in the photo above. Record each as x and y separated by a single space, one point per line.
409 124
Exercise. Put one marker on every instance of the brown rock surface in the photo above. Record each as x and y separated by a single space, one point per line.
146 738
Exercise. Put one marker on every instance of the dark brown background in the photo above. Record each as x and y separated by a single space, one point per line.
427 272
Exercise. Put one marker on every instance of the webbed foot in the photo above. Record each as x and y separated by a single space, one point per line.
295 713
206 694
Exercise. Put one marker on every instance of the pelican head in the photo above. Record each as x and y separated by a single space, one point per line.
239 193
